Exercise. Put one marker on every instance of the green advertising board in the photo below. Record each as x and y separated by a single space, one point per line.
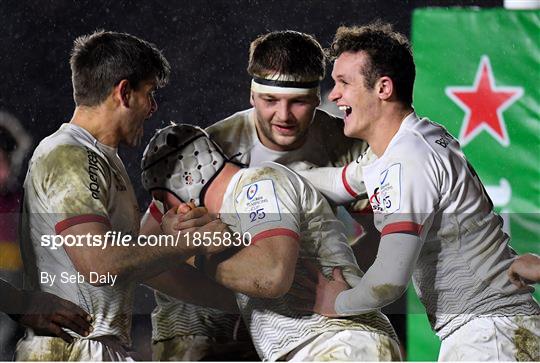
478 73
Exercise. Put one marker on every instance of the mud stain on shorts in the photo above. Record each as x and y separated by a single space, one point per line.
527 345
55 349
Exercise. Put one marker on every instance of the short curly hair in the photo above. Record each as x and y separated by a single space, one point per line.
389 55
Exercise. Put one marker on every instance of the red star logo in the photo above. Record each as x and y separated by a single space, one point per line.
484 104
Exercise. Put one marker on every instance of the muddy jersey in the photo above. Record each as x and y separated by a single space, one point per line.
237 135
423 185
271 200
74 179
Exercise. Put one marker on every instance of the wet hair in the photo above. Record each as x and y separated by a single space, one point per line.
287 52
389 54
99 62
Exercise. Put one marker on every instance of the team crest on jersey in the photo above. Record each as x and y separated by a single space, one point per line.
257 204
375 202
252 191
389 193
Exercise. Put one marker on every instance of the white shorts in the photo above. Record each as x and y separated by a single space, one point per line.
513 338
347 345
41 348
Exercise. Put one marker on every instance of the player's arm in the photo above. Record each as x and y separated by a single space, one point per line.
410 188
75 182
45 313
184 282
340 185
189 285
138 262
386 280
411 185
264 269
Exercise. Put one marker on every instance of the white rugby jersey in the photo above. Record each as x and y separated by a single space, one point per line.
423 185
271 200
325 144
73 179
237 135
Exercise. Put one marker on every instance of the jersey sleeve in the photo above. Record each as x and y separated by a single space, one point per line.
75 184
407 194
352 179
352 176
266 205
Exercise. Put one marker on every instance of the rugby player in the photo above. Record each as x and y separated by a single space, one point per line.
77 186
437 222
284 125
285 221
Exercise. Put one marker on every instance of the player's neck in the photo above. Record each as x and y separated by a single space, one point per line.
386 128
98 122
213 198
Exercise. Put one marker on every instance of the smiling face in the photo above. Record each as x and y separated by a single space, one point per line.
141 106
350 93
283 120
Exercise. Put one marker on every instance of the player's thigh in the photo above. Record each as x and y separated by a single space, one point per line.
349 345
515 338
40 348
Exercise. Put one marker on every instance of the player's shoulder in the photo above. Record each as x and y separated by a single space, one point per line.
69 148
56 144
267 170
230 126
420 139
281 176
233 134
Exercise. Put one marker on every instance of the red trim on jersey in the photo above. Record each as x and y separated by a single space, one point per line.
274 232
155 212
402 227
346 184
85 218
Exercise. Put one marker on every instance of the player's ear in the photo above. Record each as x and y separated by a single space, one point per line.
122 92
252 99
385 87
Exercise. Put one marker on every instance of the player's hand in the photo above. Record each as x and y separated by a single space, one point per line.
47 314
317 293
525 270
187 219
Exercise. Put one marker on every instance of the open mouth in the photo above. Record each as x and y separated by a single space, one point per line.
284 129
346 109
